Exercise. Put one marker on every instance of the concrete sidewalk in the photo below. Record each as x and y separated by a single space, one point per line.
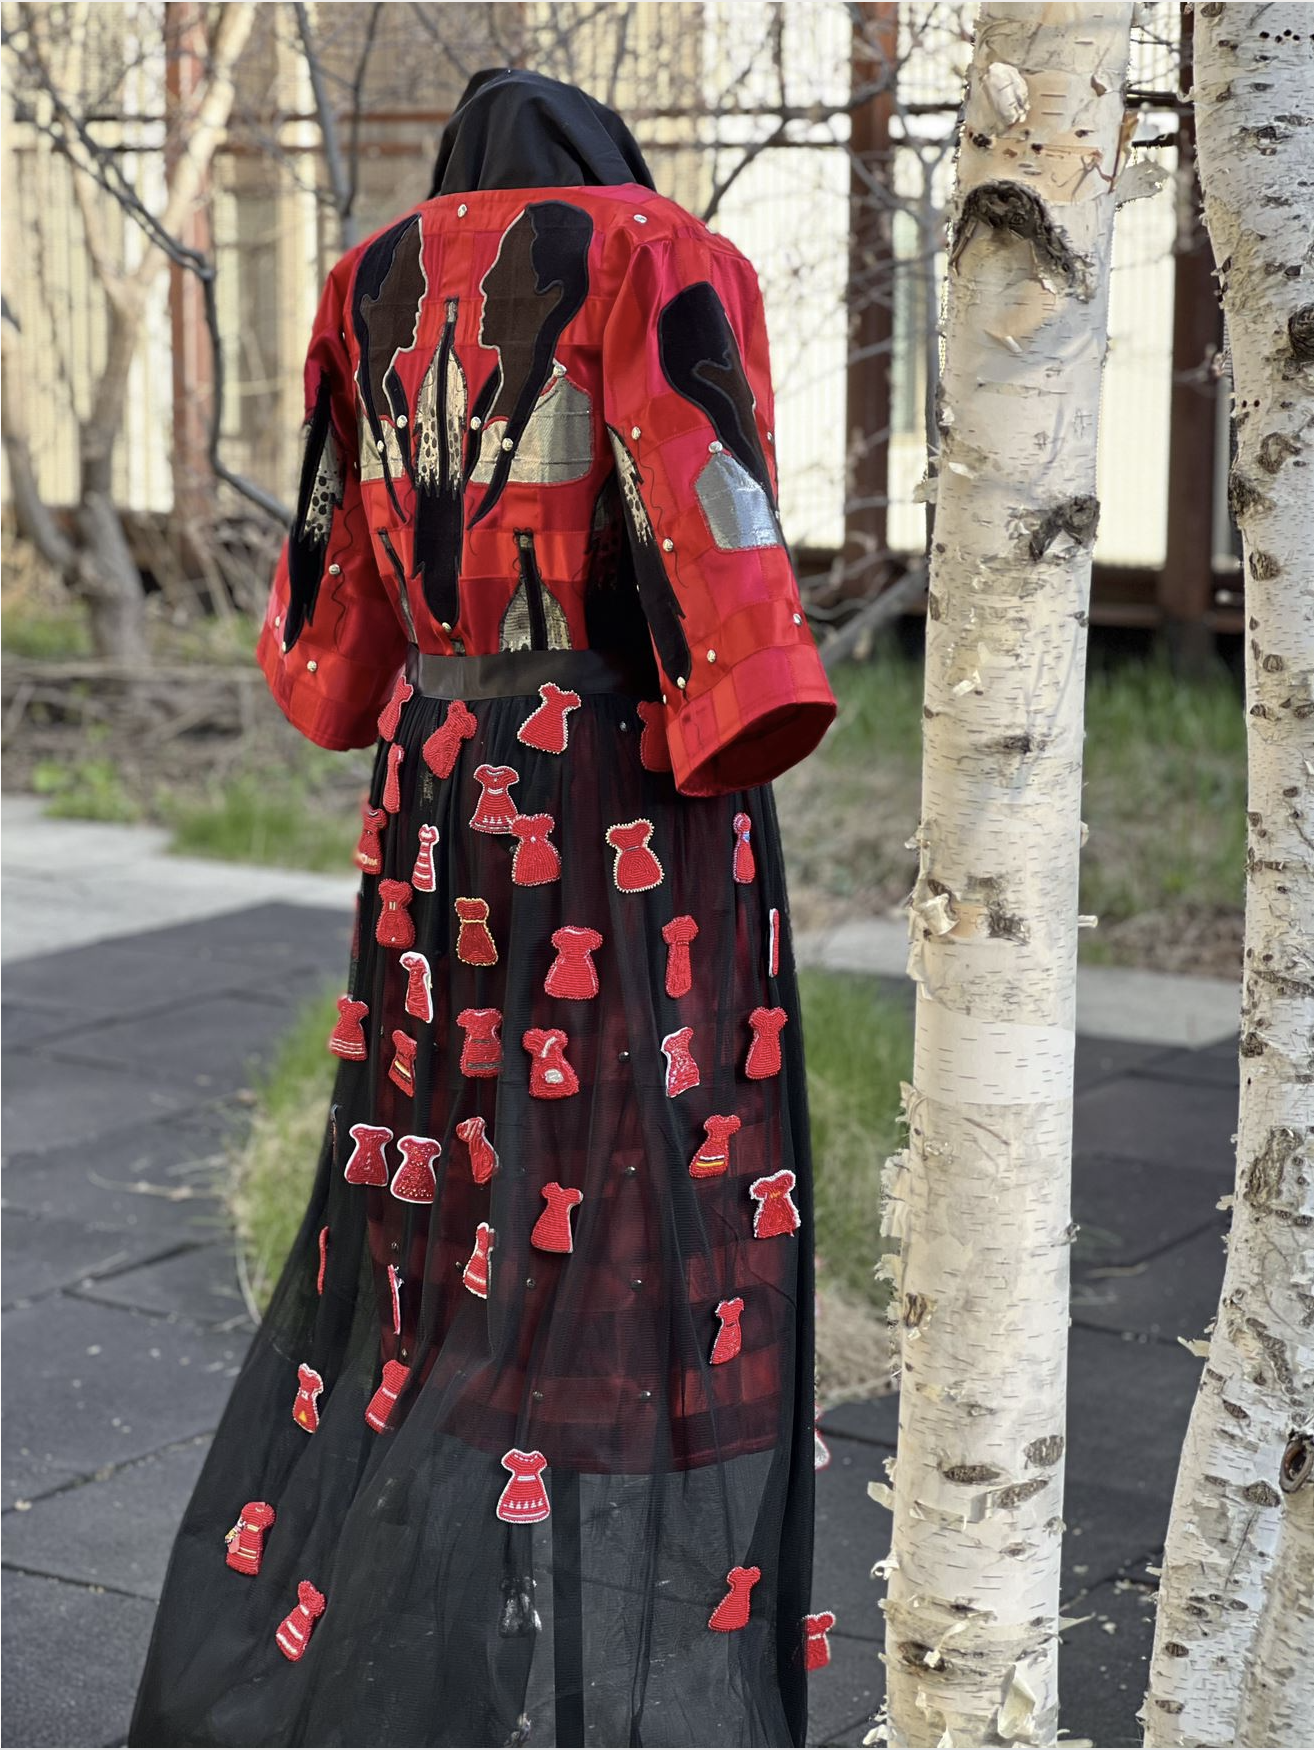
125 1058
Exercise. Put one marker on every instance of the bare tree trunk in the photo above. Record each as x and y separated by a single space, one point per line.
1234 1647
980 1198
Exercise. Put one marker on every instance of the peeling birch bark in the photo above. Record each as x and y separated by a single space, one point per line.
1233 1655
979 1200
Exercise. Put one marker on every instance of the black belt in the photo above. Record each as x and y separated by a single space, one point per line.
510 674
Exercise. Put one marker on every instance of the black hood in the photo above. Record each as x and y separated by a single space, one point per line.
514 129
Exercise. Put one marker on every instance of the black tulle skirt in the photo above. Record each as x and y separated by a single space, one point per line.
523 1449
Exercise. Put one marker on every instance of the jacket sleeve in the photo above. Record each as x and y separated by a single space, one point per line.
687 395
332 642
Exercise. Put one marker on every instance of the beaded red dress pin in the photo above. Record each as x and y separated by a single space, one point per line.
348 1036
378 1412
419 986
474 940
323 1260
713 1157
394 1295
775 1212
401 1071
732 1612
390 716
415 1180
550 1076
369 850
395 927
423 879
552 1231
681 1070
475 1274
367 1163
547 728
679 935
483 1156
524 1499
745 867
293 1636
636 868
536 860
481 1050
773 942
816 1645
441 750
495 810
572 974
764 1050
246 1541
305 1406
729 1339
391 797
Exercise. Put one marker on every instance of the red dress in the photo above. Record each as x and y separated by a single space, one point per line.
565 1176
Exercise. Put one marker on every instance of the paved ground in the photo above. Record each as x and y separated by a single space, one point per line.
124 1062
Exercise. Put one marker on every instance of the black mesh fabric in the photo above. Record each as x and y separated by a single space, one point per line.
444 1624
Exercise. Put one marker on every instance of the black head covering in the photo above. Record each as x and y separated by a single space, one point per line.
514 129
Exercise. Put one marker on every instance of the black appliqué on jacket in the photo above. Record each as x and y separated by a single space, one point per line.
541 265
701 361
661 605
319 494
439 475
387 297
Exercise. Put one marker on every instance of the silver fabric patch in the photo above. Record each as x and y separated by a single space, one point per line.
557 443
372 459
454 397
738 511
517 628
325 494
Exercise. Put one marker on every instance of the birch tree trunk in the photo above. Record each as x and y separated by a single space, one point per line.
980 1198
1233 1655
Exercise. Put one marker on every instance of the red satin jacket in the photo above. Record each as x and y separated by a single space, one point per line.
542 418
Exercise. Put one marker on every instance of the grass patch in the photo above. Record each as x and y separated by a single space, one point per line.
256 819
859 1045
85 789
275 1166
43 631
